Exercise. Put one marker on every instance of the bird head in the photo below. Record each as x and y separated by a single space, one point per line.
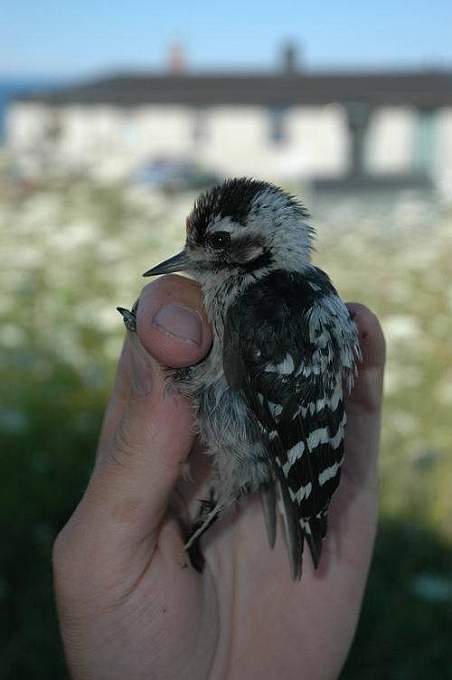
240 227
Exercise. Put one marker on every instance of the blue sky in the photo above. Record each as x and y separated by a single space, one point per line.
90 37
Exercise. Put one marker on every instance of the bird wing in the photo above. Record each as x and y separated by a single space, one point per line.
283 351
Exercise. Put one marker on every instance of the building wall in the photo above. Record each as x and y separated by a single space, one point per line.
272 143
242 140
389 140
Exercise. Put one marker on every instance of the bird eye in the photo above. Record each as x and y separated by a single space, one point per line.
219 240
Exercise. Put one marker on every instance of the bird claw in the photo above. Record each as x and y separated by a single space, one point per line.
208 513
129 317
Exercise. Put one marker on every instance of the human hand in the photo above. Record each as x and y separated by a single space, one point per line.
131 605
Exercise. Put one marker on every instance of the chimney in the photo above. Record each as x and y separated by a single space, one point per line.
289 59
177 60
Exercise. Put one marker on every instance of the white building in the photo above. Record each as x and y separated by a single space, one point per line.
355 127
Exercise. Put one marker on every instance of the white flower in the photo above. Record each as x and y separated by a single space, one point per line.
401 328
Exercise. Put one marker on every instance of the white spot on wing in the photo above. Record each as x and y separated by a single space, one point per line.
295 452
302 493
328 473
286 468
336 396
321 436
307 370
317 437
306 526
285 367
332 402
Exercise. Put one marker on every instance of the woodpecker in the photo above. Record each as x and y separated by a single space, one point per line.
269 397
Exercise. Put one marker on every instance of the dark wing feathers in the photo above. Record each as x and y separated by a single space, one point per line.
270 358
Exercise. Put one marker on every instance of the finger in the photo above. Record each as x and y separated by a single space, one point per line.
368 389
139 464
363 405
148 430
172 328
172 323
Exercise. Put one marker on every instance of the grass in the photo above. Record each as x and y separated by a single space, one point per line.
72 251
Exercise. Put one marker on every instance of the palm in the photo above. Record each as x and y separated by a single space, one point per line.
244 613
131 605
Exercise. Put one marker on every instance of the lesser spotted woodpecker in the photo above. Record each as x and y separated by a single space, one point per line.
269 396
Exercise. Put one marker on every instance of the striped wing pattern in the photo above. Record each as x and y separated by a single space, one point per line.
284 354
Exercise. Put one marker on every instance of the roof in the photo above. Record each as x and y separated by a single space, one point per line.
424 89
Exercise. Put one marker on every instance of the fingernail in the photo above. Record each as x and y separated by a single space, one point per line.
179 322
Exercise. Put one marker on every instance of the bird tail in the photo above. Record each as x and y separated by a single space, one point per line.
315 530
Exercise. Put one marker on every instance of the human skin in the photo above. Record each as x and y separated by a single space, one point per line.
131 605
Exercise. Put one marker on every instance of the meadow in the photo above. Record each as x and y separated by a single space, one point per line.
73 250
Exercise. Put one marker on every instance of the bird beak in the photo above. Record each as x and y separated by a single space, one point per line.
177 263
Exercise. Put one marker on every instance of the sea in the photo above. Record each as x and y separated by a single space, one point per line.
12 87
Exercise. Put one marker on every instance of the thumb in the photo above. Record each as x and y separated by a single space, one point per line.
148 429
148 435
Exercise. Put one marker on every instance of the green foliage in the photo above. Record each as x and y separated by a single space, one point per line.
72 251
404 630
49 427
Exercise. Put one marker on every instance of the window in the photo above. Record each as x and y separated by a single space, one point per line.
199 129
424 141
277 131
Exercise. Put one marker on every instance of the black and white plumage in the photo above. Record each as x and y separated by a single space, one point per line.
270 395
